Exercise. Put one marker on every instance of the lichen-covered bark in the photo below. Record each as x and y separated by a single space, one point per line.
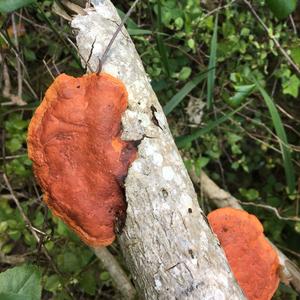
167 243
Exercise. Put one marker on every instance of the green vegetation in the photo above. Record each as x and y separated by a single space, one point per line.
232 102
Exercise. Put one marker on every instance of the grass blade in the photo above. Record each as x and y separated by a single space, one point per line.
133 31
212 65
184 140
185 90
160 44
282 138
11 5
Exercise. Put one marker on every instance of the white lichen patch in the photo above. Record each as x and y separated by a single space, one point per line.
159 207
137 166
178 180
113 70
150 148
168 173
203 238
186 201
218 294
157 159
161 118
157 283
144 120
223 280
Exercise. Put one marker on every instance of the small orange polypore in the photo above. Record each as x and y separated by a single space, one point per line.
252 259
78 156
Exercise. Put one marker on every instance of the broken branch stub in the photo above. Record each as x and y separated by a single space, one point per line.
167 243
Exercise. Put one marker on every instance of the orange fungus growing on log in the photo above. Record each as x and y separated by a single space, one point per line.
252 259
78 156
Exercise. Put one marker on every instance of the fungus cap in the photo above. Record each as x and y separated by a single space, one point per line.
252 259
79 158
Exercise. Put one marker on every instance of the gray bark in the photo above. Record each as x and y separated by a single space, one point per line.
167 243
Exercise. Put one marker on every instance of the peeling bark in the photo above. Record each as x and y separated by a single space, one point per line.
167 243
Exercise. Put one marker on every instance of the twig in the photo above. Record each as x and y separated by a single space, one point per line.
215 10
13 156
273 209
48 69
33 23
19 71
11 259
87 64
122 282
272 37
293 25
6 79
21 62
15 99
104 56
290 273
290 251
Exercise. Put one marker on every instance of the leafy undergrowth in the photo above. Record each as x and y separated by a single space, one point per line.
232 103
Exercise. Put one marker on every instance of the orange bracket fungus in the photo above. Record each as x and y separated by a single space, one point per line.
78 156
252 259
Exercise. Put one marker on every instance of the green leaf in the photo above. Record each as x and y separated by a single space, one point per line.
7 6
104 276
183 141
14 234
136 31
184 73
249 194
241 93
160 44
14 145
88 282
68 262
291 86
212 65
52 283
295 54
184 91
3 226
200 163
7 248
282 8
23 282
282 139
297 227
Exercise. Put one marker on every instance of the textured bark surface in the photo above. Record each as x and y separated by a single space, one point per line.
167 244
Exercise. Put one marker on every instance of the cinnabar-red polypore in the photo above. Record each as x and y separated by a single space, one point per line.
252 259
78 156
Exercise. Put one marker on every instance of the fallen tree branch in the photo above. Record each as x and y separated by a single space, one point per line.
290 273
11 259
167 243
119 277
